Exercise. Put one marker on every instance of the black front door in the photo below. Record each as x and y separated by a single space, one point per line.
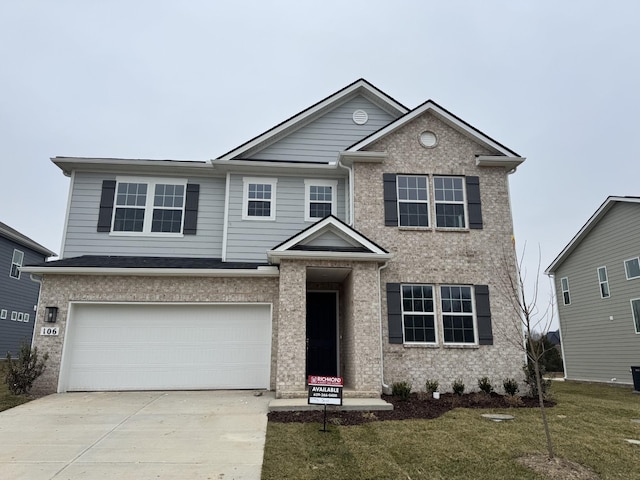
322 348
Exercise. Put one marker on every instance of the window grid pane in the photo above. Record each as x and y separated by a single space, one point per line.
418 318
319 210
632 268
320 201
166 221
457 314
604 282
413 201
449 197
171 196
132 194
259 209
128 220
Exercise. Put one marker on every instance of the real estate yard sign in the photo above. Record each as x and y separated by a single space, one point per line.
325 390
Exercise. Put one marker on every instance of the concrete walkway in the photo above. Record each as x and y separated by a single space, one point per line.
217 435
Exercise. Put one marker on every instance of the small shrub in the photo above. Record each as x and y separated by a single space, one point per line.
513 401
485 385
458 387
530 380
510 386
431 386
22 372
401 389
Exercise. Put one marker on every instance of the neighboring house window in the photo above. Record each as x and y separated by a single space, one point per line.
635 310
603 279
449 199
144 206
14 316
320 199
457 314
3 314
413 201
418 314
632 268
26 317
20 316
16 263
259 199
564 284
407 201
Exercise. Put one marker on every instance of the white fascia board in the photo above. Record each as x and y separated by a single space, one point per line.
267 271
508 163
276 256
68 164
586 228
349 158
280 168
309 113
445 116
27 243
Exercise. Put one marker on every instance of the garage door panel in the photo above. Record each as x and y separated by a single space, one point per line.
164 347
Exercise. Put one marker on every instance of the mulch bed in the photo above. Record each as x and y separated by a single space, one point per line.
418 406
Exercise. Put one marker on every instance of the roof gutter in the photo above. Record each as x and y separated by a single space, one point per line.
263 271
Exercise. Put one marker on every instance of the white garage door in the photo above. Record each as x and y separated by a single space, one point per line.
166 347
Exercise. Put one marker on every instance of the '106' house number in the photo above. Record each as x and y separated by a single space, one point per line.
49 331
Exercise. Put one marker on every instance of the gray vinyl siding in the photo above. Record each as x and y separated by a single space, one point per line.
322 139
17 295
597 348
329 239
249 240
82 238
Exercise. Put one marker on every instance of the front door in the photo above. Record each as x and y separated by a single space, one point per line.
322 333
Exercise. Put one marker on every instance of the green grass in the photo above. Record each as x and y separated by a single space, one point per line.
588 426
7 399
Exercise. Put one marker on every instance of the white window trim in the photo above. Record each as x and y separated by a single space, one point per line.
20 316
635 324
473 315
430 214
246 181
26 318
307 197
15 263
567 290
603 282
3 314
434 289
464 203
151 183
14 316
626 273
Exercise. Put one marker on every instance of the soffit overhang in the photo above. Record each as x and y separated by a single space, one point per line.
129 166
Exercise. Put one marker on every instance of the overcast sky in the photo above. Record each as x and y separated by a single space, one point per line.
556 81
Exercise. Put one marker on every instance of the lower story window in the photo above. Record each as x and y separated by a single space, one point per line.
635 310
417 314
457 314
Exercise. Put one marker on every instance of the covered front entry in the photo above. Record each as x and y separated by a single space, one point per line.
322 333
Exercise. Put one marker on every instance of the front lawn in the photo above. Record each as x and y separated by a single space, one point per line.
589 426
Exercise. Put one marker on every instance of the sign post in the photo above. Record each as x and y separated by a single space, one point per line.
325 391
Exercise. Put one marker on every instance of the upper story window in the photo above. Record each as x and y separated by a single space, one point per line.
418 314
16 263
457 314
603 280
566 297
259 199
149 206
632 268
413 201
320 199
449 200
456 201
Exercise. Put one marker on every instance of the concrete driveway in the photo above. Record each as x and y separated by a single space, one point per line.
216 435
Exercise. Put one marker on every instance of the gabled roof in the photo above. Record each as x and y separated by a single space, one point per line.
352 246
12 234
448 118
587 227
359 87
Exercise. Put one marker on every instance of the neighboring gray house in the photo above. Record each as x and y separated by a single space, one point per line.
18 293
597 283
357 238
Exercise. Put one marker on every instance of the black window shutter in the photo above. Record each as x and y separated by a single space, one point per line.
483 315
394 312
390 200
473 202
191 209
106 205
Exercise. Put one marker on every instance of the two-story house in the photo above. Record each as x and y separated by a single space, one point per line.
597 283
18 292
357 238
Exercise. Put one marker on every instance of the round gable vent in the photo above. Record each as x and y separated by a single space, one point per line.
428 139
360 117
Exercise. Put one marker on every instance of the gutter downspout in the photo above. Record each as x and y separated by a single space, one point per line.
350 196
225 220
385 387
38 280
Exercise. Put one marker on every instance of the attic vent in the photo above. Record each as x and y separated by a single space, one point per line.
428 139
360 117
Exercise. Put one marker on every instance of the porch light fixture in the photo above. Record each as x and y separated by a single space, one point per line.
51 314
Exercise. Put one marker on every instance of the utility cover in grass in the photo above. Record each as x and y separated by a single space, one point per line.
632 441
497 417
